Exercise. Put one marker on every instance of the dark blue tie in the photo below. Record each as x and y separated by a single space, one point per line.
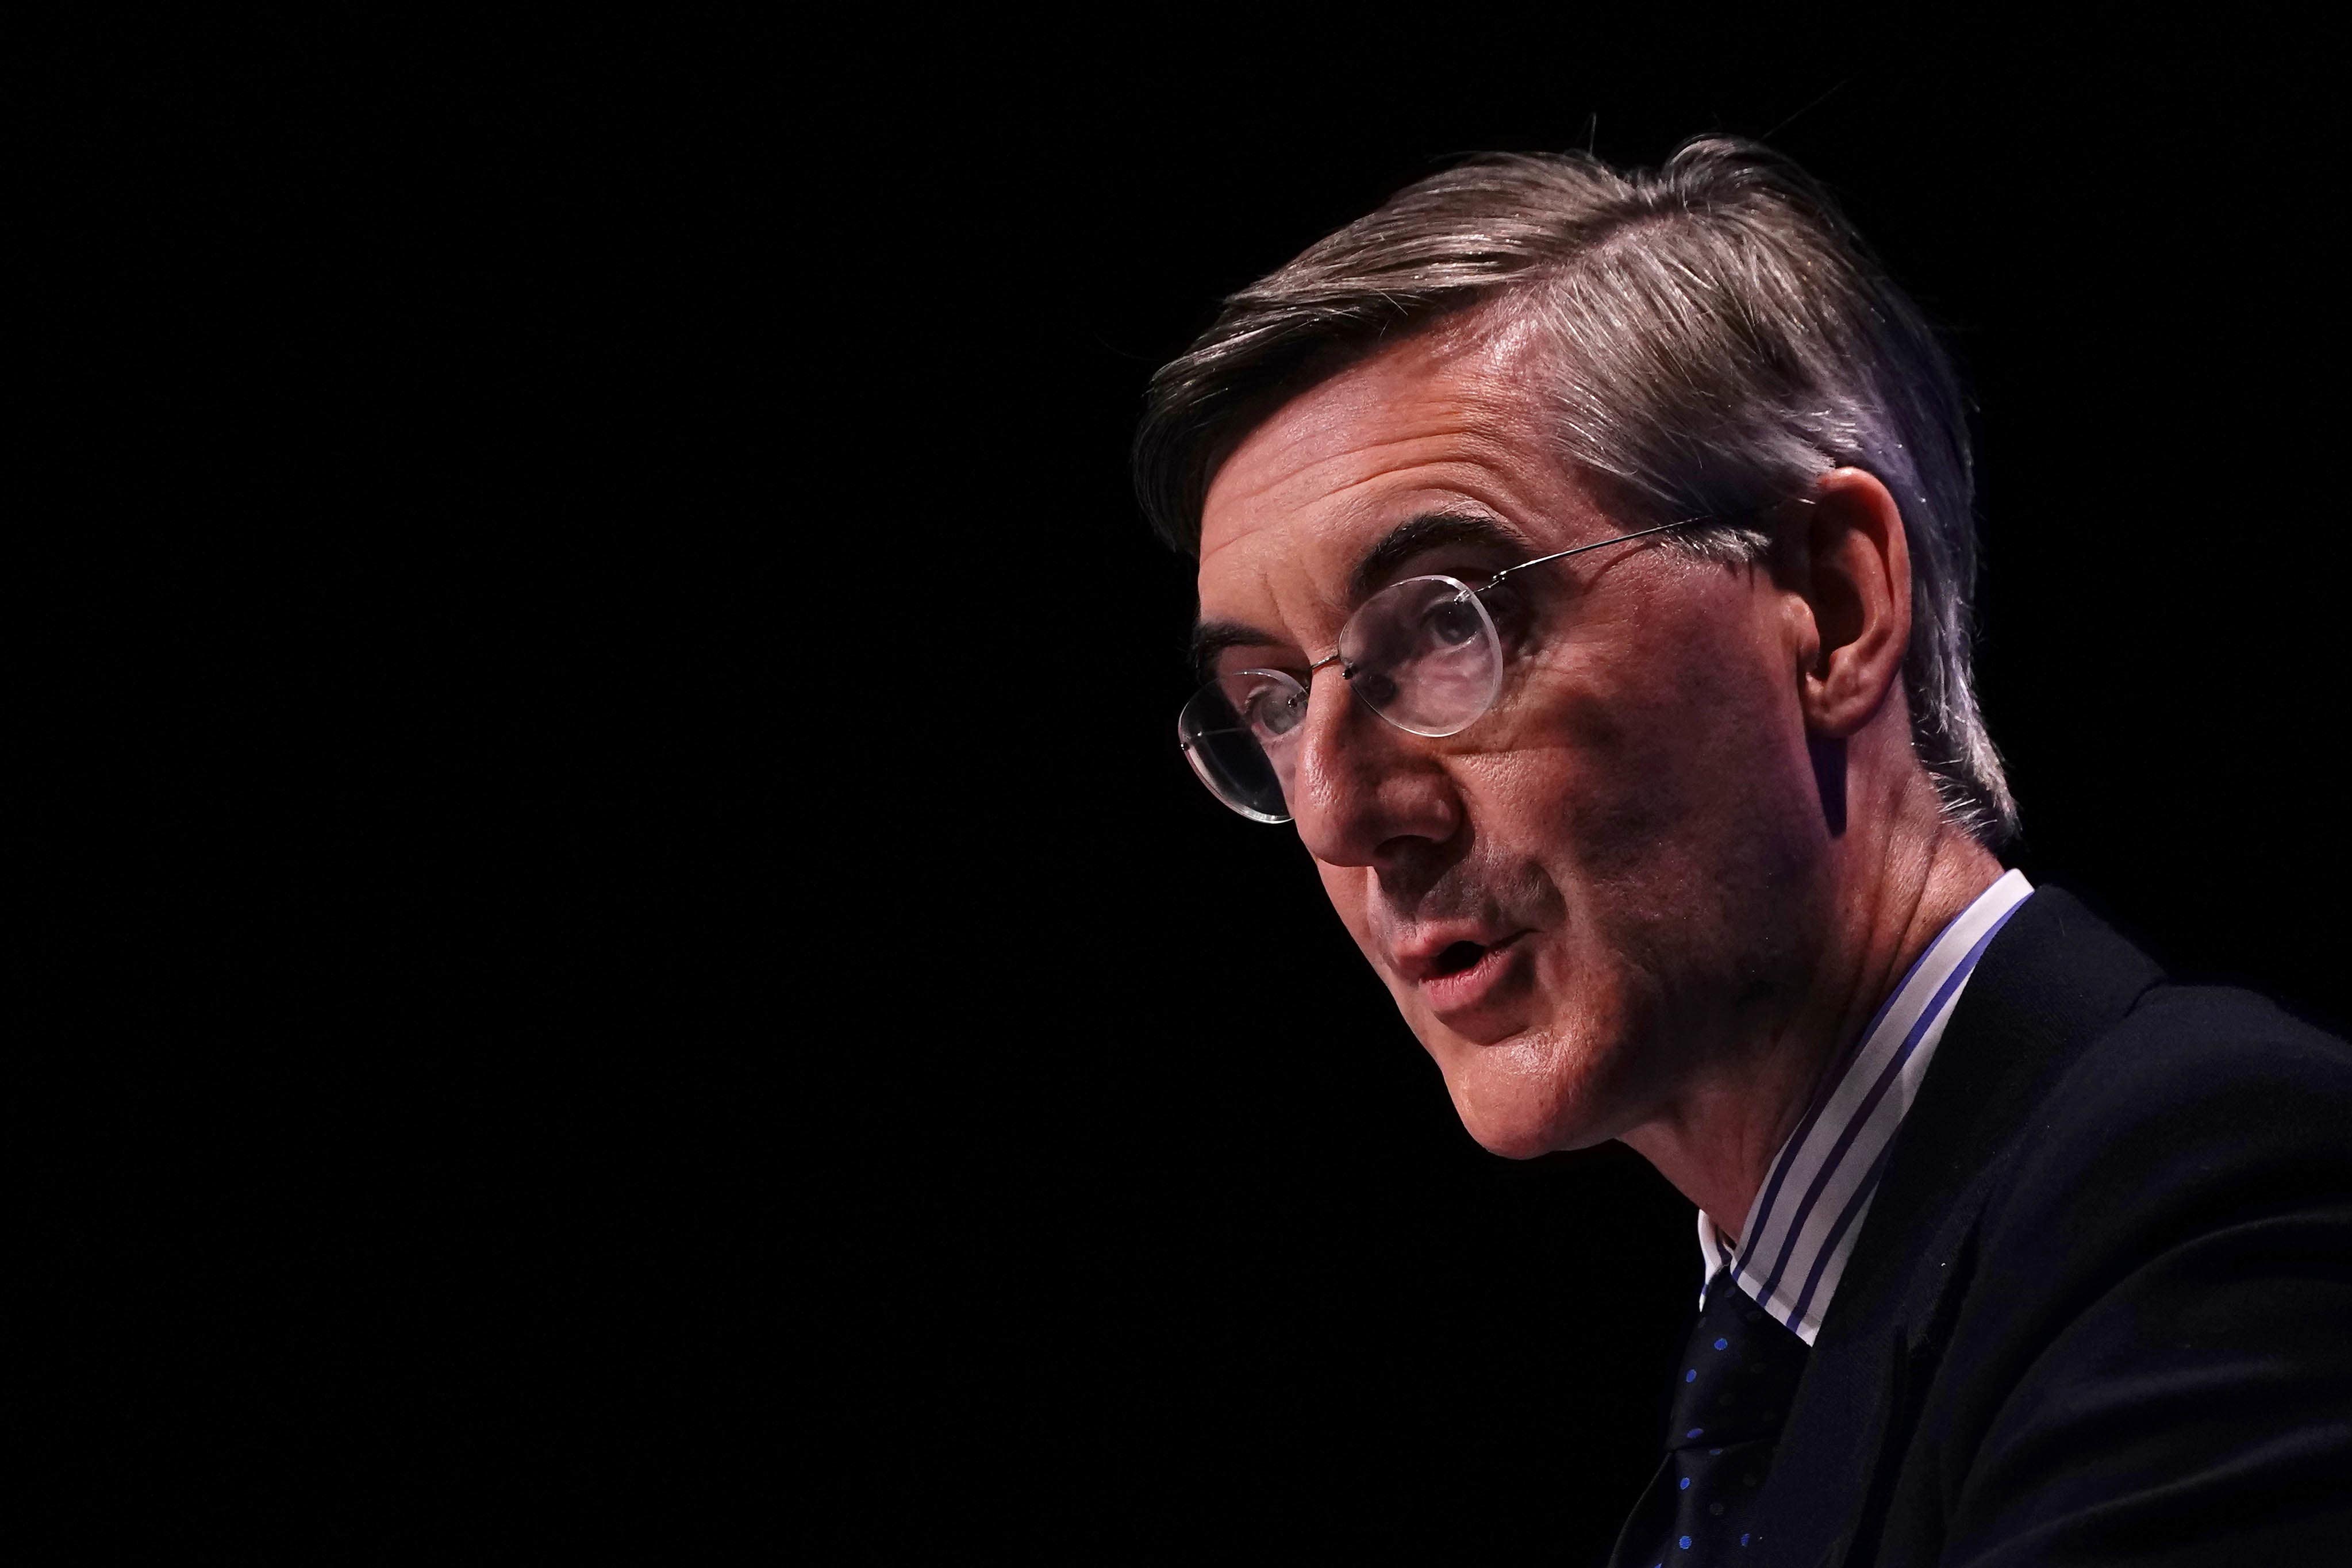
1730 1392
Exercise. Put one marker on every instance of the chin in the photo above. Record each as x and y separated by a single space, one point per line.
1515 1099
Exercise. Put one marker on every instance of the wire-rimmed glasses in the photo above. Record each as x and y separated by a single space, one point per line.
1423 654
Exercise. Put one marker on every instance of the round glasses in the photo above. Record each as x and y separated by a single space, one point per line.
1422 653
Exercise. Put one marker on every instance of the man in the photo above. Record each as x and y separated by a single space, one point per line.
1584 570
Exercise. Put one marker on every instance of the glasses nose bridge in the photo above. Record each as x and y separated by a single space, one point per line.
1306 687
1344 733
1357 779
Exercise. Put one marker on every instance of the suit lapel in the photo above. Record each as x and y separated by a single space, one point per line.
2049 983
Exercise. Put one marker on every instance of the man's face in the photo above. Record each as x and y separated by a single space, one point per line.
1603 889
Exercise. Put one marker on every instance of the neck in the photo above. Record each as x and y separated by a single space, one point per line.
1716 1140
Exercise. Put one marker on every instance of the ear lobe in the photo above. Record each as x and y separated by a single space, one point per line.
1855 580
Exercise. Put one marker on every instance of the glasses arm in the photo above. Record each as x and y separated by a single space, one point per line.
1596 544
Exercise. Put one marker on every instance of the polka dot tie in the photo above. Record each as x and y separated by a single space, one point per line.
1731 1390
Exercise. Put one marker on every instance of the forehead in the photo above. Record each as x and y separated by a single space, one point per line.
1440 422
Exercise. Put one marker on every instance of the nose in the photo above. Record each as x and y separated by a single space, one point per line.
1362 791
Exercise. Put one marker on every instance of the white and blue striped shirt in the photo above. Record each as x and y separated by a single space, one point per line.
1806 1215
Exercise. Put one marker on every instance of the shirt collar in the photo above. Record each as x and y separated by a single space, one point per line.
1802 1225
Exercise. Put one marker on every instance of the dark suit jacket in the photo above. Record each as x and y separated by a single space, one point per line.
2100 1310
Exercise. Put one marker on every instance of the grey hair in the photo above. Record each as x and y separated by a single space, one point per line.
1719 338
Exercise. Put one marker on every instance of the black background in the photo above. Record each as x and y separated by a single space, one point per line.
631 952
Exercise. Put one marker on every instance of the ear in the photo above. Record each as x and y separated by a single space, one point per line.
1851 579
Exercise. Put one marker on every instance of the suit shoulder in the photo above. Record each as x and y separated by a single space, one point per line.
2203 1054
2149 1339
2202 1097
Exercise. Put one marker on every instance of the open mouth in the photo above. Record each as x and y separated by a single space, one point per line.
1454 960
1469 986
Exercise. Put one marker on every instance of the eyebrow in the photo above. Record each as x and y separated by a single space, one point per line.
1415 536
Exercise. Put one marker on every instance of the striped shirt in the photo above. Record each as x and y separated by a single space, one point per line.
1805 1217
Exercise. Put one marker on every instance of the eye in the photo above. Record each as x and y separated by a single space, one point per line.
1451 622
1376 687
1515 615
1271 709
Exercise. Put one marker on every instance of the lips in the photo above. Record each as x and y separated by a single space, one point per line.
1434 952
1460 956
1458 972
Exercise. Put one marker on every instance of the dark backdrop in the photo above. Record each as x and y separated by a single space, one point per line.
633 949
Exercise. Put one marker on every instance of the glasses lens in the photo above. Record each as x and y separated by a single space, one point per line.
1235 733
1424 654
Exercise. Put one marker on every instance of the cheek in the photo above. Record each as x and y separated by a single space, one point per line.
1592 782
1681 752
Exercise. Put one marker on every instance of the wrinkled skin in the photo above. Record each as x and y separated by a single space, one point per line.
1691 826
